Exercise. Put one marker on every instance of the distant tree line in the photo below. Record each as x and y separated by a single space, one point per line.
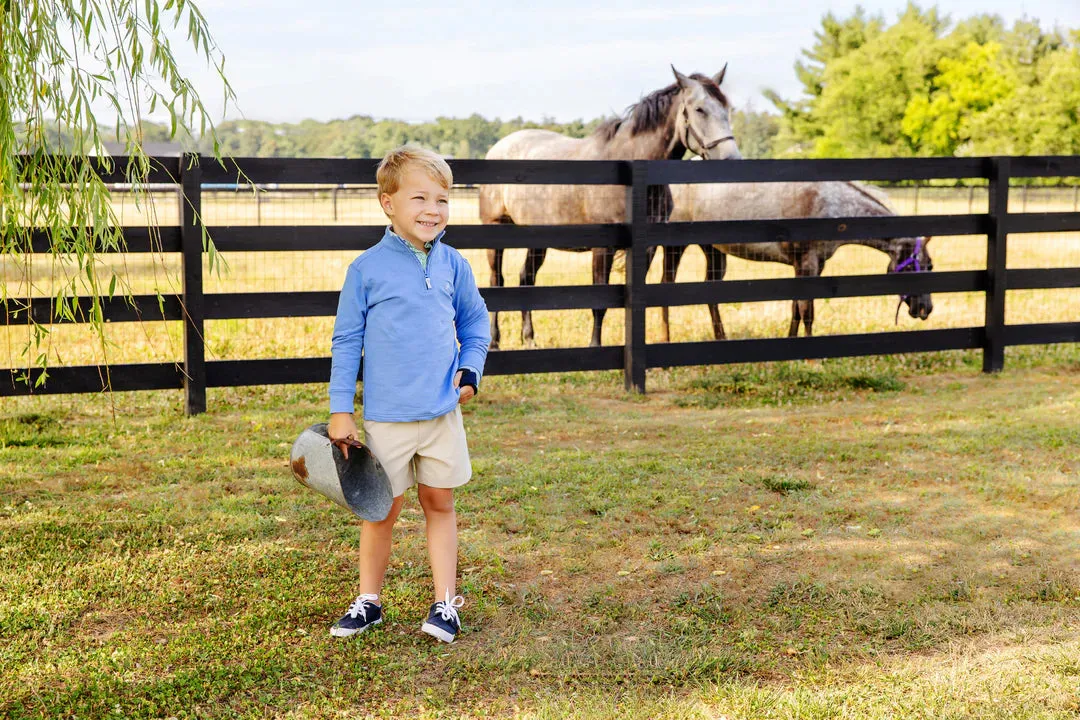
471 137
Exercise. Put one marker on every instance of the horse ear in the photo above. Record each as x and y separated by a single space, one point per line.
684 82
719 77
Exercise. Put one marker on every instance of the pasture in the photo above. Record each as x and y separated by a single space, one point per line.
873 538
308 337
869 537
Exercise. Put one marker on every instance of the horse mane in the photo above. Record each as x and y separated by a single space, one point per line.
651 112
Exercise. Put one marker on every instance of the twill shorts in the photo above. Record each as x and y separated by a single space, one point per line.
430 452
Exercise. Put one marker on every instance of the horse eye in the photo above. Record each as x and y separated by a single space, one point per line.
700 110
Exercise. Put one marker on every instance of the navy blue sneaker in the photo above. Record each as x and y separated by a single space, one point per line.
442 620
362 614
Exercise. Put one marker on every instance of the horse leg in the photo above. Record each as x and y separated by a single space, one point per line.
672 258
495 258
533 260
808 265
814 270
715 269
793 330
602 260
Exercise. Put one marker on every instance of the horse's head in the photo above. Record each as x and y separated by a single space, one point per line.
702 121
912 255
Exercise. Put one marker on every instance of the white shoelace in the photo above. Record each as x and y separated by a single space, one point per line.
357 608
447 608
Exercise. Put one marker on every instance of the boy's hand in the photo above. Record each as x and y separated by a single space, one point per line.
342 427
465 394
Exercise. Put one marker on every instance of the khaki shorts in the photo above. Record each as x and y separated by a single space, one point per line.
429 452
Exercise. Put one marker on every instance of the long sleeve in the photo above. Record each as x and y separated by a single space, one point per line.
473 326
348 342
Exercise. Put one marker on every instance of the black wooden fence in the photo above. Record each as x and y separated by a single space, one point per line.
194 307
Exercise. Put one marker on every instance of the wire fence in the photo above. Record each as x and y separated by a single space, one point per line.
358 205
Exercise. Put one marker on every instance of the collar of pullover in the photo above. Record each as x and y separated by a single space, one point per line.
406 245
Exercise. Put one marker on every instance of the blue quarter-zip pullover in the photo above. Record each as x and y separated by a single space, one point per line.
407 320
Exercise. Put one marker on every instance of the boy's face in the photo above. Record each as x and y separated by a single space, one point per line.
419 209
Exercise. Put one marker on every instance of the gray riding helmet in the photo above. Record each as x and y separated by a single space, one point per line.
359 484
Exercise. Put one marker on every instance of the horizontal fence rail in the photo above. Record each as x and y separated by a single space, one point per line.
189 176
790 230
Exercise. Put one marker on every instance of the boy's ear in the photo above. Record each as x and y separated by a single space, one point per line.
385 202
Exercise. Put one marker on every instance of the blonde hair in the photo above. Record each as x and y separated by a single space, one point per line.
397 162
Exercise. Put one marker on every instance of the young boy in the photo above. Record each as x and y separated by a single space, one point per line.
406 305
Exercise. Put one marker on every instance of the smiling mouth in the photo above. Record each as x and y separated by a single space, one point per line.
427 224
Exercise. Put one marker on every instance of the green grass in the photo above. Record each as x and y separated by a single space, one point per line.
893 537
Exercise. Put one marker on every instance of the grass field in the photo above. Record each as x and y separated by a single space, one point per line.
306 337
866 538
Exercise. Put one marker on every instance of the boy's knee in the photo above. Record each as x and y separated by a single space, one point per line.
439 500
392 516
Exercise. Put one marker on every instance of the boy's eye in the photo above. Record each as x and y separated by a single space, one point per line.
444 201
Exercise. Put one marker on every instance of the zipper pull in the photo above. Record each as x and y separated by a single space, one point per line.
427 281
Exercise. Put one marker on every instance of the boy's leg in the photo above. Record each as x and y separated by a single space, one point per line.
366 611
375 541
438 505
442 464
394 444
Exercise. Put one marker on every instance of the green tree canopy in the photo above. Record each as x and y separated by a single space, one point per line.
926 86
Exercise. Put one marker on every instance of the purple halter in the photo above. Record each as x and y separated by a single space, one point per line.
911 264
913 261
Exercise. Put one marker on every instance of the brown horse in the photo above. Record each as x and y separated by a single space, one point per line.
760 201
692 113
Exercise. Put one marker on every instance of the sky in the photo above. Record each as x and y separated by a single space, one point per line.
566 59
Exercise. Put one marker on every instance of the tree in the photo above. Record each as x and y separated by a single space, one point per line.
867 91
755 132
918 88
834 40
940 122
1042 118
62 64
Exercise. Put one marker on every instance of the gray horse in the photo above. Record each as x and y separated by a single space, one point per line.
692 113
761 201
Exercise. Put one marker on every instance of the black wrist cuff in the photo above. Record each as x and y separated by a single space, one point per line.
468 377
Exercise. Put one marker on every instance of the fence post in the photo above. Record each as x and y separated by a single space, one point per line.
637 218
191 245
994 343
